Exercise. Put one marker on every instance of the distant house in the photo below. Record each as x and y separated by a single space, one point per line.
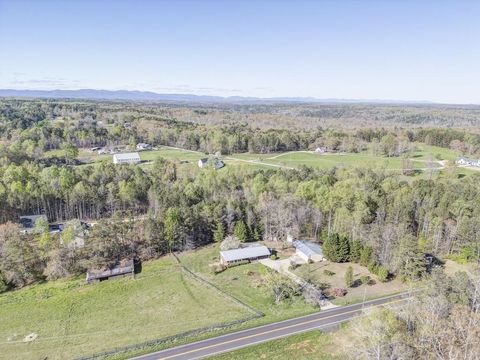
126 158
94 149
468 162
243 255
126 268
308 251
144 146
320 150
28 223
80 229
202 163
216 163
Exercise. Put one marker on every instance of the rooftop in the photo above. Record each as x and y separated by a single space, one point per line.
125 156
245 253
308 247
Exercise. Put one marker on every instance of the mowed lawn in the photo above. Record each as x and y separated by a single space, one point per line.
325 161
313 345
74 319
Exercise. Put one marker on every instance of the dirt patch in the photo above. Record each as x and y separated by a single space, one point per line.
451 267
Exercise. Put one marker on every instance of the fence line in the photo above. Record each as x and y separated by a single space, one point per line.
186 334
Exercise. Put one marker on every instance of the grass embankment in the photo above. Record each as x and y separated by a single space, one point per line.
313 345
74 319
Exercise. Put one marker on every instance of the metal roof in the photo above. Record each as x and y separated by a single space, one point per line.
246 253
127 156
308 248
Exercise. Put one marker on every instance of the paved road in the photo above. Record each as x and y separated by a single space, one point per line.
323 320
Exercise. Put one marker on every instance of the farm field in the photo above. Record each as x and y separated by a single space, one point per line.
424 157
311 345
74 319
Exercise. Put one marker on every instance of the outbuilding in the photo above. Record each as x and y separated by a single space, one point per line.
126 158
126 268
243 255
202 162
28 223
308 251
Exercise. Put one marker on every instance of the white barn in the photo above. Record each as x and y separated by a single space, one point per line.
243 255
126 158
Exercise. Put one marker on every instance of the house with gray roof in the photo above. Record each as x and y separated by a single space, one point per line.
308 251
243 255
126 158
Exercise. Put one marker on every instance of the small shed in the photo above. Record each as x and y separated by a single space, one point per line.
202 162
243 255
218 164
308 251
126 158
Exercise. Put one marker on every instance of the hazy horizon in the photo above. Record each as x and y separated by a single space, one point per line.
369 50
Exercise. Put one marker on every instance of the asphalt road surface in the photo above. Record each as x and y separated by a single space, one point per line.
323 320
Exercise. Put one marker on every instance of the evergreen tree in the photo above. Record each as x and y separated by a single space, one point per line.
410 260
240 231
219 233
349 277
336 248
356 251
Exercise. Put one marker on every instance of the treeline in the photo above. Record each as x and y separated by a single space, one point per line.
30 128
392 221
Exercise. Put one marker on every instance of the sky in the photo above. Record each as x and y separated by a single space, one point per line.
418 50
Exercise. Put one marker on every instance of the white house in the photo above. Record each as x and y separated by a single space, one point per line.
126 158
216 163
468 162
202 163
308 251
242 255
144 146
320 150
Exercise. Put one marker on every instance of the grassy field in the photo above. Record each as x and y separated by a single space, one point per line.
244 283
73 319
424 157
313 345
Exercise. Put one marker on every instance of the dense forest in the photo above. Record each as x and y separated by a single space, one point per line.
375 216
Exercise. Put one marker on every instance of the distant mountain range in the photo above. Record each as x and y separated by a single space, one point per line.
152 96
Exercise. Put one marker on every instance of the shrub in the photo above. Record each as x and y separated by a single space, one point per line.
340 292
216 268
373 267
328 272
366 255
365 279
273 257
382 273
